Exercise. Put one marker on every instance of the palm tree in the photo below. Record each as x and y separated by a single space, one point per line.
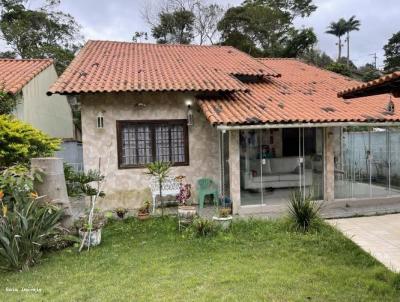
338 29
351 25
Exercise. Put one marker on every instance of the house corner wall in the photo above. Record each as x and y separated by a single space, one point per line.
51 114
329 163
234 170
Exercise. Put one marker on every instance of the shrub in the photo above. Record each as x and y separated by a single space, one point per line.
24 230
19 142
79 183
203 227
303 211
7 102
17 182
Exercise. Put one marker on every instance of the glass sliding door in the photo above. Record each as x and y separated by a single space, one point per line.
251 170
275 162
369 166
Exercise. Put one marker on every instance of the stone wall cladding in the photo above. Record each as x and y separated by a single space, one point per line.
129 187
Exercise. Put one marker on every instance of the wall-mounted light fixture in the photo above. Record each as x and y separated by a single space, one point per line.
100 120
189 104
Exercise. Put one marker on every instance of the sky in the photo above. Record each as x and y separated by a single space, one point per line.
119 19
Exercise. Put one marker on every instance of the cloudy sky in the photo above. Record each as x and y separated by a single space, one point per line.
119 19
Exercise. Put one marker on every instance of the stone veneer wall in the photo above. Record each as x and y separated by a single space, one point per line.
129 187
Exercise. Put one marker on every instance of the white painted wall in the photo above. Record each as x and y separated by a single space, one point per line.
51 114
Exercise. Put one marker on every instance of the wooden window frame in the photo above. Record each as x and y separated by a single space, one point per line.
152 124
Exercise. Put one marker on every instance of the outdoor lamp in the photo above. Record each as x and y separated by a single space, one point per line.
100 120
189 103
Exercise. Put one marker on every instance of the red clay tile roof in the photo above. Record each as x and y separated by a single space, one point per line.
15 74
303 94
107 66
384 84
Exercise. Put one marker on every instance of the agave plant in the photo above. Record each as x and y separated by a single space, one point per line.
303 210
24 230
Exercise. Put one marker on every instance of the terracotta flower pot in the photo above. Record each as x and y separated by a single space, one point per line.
187 211
143 216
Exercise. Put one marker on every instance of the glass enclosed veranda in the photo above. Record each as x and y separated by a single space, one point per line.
330 163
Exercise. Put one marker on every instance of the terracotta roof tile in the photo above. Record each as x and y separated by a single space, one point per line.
15 74
303 94
107 66
364 88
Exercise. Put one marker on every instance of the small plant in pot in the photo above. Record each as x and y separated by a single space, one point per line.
224 218
90 233
121 212
144 211
185 209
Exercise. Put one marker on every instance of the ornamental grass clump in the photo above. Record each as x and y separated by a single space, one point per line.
303 211
24 230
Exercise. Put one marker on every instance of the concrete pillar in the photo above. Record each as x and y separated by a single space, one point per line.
234 170
329 165
53 185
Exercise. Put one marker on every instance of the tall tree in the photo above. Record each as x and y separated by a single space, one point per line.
175 27
351 25
39 33
265 28
392 53
206 15
338 29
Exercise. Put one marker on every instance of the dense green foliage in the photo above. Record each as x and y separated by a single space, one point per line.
253 261
80 183
39 33
303 211
7 102
175 28
19 142
392 53
339 68
24 229
16 182
265 28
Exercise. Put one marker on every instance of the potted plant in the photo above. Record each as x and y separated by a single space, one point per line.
144 211
121 212
224 218
90 233
185 209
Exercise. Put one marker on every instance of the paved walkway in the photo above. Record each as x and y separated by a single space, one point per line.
378 235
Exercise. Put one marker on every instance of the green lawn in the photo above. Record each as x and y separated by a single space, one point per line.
255 261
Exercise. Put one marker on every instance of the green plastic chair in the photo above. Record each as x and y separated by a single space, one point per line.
206 186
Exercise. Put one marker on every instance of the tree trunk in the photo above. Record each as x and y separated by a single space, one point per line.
340 49
348 49
162 201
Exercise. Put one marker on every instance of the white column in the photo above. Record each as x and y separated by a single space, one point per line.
329 165
234 169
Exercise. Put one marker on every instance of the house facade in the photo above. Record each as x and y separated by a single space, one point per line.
28 81
259 128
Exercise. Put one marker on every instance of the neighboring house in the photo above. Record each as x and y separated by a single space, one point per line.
28 81
260 128
389 83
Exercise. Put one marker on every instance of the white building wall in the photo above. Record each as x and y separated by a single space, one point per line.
51 114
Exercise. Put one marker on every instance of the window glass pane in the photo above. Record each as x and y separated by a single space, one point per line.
136 145
141 144
162 144
177 144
